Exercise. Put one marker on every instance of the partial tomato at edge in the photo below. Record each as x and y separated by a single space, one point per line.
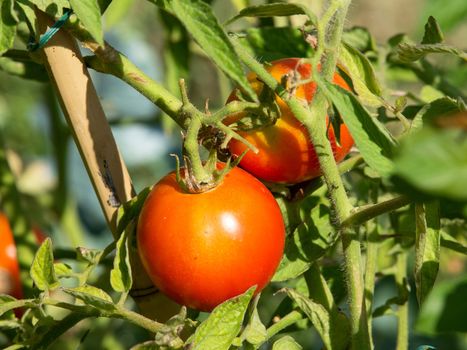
286 154
202 249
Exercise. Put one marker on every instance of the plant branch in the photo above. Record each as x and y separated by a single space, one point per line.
368 212
284 322
402 310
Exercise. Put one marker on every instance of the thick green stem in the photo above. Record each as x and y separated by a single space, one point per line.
370 270
110 61
368 212
283 323
403 310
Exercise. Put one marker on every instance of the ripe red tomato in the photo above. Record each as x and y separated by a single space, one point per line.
202 249
10 282
286 154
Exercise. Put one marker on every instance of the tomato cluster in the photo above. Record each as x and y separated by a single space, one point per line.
202 249
286 154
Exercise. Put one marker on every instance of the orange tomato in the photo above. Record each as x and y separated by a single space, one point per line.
202 249
286 154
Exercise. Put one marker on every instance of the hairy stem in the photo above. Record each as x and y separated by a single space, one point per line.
283 323
368 212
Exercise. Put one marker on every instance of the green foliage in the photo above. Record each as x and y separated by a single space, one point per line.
42 269
89 14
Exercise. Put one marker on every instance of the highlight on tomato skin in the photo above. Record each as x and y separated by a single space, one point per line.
202 249
286 154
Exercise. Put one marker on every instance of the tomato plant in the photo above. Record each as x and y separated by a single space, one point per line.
202 249
285 152
10 282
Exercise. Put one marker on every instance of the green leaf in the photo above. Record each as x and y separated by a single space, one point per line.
435 109
130 210
272 43
286 343
223 325
360 39
359 69
199 20
427 248
42 270
445 308
372 139
319 317
120 276
92 296
91 256
117 11
434 162
410 53
9 303
449 14
255 332
7 25
63 270
10 324
52 7
89 14
270 10
433 34
309 241
26 70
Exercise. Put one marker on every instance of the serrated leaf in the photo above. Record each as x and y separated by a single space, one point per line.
7 26
410 53
270 10
42 270
198 18
52 7
223 325
286 343
319 317
427 248
272 43
371 137
433 33
360 70
89 14
120 276
92 296
435 162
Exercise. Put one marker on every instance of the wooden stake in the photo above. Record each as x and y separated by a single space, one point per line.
96 144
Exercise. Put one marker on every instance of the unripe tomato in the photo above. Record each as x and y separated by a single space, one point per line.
202 249
10 282
286 154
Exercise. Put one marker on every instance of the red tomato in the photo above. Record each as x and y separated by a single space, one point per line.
286 154
202 249
10 282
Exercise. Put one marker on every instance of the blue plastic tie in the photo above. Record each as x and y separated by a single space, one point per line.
44 38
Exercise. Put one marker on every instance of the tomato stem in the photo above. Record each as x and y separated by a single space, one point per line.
403 310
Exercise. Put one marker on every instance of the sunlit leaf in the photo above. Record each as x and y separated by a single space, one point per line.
120 276
42 269
89 14
286 343
7 26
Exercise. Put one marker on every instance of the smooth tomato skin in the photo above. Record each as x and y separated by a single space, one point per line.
286 154
9 268
202 249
